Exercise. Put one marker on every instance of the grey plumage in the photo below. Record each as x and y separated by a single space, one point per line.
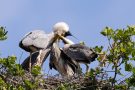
78 52
36 40
61 62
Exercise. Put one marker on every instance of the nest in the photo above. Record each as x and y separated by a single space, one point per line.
56 82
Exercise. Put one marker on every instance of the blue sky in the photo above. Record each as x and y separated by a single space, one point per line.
86 19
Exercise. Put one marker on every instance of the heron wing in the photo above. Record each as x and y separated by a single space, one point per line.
72 63
43 40
37 38
29 37
79 52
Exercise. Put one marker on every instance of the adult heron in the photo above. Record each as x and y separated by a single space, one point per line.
38 40
78 52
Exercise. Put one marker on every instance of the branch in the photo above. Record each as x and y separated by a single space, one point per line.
115 74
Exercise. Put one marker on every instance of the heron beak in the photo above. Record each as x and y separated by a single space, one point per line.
65 40
68 34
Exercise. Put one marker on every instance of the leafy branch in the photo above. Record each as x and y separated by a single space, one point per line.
3 33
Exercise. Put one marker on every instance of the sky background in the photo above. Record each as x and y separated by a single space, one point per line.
86 19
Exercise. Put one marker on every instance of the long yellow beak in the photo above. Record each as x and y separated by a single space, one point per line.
67 41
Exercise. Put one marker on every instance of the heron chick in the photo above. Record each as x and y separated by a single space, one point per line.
65 65
78 52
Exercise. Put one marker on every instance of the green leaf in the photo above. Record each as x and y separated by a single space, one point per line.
98 49
131 81
20 88
36 70
128 67
91 73
119 72
123 49
133 70
133 52
119 33
61 87
3 33
82 43
121 87
29 84
107 31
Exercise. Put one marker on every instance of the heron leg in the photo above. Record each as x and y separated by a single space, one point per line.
38 58
87 68
30 62
78 69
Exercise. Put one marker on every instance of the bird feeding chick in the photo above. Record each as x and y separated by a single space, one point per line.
78 52
58 59
38 40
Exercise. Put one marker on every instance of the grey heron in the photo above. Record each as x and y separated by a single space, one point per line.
65 65
37 40
79 53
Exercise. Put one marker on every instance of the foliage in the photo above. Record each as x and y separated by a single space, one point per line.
116 57
120 51
3 33
36 71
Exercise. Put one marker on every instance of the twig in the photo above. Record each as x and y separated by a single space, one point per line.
123 77
109 41
4 79
115 74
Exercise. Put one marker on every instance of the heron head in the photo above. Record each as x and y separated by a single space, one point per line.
62 28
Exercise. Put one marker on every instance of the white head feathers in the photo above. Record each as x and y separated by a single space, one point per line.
61 26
